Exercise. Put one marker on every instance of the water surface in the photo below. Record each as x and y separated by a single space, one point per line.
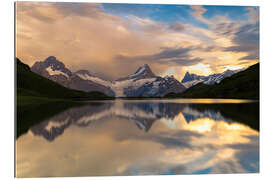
140 137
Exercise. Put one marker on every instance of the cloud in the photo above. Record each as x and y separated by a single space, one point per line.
226 28
253 13
251 56
246 40
238 36
178 56
87 36
198 10
51 11
190 62
177 26
146 25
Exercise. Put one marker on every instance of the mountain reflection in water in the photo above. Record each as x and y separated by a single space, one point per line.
126 137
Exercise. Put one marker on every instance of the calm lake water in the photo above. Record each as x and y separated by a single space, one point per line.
139 137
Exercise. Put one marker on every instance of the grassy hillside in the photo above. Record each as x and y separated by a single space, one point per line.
242 85
32 87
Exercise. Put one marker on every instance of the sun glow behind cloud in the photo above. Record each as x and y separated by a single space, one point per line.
201 69
99 37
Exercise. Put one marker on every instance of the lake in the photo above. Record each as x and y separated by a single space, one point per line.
138 137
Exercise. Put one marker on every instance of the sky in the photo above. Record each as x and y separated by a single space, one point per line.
113 40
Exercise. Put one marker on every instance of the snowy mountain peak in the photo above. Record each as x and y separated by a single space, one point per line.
146 66
169 77
141 83
51 67
145 69
83 72
51 59
193 79
143 72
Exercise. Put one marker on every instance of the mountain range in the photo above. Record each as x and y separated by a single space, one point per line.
56 71
32 85
142 83
190 80
143 115
243 85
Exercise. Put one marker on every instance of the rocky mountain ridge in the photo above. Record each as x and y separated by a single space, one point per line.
142 83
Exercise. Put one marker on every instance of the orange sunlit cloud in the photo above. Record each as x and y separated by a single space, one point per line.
94 37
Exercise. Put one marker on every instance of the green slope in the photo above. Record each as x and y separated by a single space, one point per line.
32 87
242 85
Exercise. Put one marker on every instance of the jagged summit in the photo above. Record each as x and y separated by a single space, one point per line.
51 66
51 59
144 67
82 80
142 72
193 79
169 76
143 82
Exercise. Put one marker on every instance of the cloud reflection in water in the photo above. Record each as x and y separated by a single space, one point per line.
139 137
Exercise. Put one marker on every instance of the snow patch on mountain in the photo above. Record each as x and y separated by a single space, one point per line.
143 82
55 72
94 79
143 72
119 86
193 79
191 83
93 117
55 124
